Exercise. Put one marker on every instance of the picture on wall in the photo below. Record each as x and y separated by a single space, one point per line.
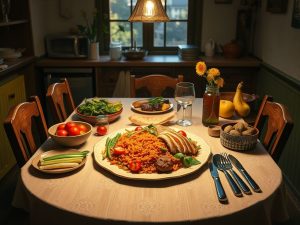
296 14
277 6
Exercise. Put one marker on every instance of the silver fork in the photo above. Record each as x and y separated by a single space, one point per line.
228 166
218 161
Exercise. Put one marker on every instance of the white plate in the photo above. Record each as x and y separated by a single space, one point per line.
203 157
35 161
138 110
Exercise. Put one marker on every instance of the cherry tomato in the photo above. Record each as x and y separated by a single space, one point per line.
119 151
62 133
101 130
73 131
61 127
135 166
69 125
138 128
82 128
182 133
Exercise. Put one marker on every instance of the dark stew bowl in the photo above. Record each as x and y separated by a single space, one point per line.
93 119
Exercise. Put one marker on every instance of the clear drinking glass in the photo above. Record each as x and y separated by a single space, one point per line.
184 96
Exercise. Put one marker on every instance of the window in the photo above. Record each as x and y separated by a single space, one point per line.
155 37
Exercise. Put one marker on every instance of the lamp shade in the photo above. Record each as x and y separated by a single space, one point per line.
148 11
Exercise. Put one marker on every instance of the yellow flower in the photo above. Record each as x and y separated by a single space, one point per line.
219 82
213 72
209 77
201 68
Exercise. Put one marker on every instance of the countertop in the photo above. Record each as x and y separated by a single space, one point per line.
149 61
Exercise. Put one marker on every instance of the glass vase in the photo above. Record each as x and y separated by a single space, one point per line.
211 105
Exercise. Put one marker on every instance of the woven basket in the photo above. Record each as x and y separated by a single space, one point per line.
239 143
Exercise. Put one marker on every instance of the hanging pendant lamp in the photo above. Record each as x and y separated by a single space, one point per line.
148 11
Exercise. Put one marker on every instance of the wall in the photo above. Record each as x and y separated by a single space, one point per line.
38 23
46 18
219 21
277 43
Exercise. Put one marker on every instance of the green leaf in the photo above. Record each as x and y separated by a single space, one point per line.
179 155
190 161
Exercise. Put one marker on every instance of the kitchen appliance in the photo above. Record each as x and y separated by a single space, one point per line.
67 46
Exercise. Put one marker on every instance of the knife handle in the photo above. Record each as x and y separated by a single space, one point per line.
241 183
220 190
236 190
252 183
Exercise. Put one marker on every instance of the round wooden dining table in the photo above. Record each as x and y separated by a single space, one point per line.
93 195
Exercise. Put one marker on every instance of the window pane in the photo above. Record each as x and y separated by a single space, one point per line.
119 9
176 33
138 34
158 34
119 36
177 9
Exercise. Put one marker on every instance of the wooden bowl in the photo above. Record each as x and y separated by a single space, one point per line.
70 141
238 143
229 96
93 119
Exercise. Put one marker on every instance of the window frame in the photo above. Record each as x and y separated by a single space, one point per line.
194 23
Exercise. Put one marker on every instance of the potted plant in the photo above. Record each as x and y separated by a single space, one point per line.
90 30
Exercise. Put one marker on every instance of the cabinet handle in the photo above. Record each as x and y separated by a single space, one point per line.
11 96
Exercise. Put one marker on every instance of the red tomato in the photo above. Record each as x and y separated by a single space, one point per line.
182 133
61 127
69 125
135 166
73 131
62 133
119 151
138 128
82 128
101 130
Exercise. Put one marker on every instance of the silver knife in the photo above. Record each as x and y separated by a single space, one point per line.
239 166
220 191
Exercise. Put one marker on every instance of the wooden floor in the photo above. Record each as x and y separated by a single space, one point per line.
12 216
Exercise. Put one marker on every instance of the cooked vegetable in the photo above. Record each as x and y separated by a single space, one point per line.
97 106
190 161
64 160
59 166
186 160
135 166
110 143
70 155
151 129
119 151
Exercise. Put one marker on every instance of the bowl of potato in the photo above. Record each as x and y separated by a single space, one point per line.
239 136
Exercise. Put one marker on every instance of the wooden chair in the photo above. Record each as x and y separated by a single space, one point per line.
60 100
275 125
155 84
23 124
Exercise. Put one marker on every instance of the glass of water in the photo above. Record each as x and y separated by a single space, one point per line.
184 96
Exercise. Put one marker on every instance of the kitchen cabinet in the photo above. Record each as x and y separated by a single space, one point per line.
17 33
12 92
108 72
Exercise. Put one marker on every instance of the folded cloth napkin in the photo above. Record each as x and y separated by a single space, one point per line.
141 119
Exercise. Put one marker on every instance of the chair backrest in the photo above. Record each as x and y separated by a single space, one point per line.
60 100
275 124
155 84
24 125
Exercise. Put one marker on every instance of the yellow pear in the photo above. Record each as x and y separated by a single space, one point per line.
226 109
241 107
